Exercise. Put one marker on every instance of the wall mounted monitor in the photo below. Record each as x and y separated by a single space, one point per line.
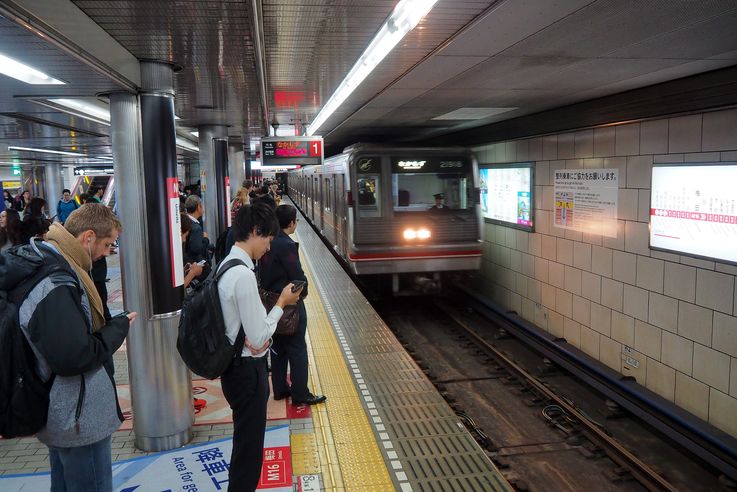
507 194
693 210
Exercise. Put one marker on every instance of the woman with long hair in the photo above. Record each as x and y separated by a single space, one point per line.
22 201
11 229
8 199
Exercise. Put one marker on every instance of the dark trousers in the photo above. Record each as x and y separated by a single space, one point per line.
291 350
246 388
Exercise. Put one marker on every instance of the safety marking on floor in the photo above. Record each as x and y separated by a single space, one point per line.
347 418
216 409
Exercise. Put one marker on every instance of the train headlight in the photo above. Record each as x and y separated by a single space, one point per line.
423 234
410 234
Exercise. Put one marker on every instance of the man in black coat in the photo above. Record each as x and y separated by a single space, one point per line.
197 243
277 268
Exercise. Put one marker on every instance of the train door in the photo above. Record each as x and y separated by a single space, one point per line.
328 208
341 214
316 204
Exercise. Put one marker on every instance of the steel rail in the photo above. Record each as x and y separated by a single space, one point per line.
639 470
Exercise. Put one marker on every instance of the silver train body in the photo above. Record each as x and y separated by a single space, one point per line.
374 205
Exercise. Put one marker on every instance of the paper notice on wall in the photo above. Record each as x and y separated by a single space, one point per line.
175 233
586 200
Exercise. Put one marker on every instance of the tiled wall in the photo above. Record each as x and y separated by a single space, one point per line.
675 315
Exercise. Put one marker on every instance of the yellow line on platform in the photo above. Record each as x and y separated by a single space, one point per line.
347 450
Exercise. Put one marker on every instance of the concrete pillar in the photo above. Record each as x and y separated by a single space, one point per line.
144 152
236 166
207 136
54 183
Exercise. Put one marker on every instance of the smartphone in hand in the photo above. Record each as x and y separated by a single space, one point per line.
297 284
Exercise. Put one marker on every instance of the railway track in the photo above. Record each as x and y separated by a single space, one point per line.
545 430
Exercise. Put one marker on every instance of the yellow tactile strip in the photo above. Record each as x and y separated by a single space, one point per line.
344 442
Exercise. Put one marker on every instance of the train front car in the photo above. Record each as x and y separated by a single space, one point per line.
415 214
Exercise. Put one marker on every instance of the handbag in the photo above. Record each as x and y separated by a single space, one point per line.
289 321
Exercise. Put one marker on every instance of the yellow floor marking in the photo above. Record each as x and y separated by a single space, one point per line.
346 448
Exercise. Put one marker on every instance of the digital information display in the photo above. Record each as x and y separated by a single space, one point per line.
506 195
693 210
283 151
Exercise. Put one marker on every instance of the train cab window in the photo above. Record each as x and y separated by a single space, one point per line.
369 196
431 185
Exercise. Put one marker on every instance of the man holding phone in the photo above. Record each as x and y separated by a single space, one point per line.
278 268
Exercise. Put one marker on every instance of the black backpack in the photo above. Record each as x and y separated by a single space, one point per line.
202 342
220 245
24 397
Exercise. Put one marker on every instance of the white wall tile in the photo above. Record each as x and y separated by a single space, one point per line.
733 378
725 334
584 143
566 146
565 251
548 296
719 130
618 241
590 342
555 165
620 164
627 139
573 280
667 158
542 173
662 255
636 238
574 163
582 255
730 156
654 137
535 149
572 332
523 150
692 395
564 303
648 339
612 293
650 273
541 269
663 312
677 352
624 267
573 235
510 237
593 163
661 379
604 141
556 274
522 241
711 367
601 319
627 204
521 285
623 328
547 198
511 151
610 353
548 248
695 322
541 316
515 260
591 286
528 265
635 302
534 247
715 290
722 409
705 264
528 310
555 324
535 290
724 268
594 239
581 310
639 171
550 147
680 281
601 261
636 372
684 134
701 157
643 205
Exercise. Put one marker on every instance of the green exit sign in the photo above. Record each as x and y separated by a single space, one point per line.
16 170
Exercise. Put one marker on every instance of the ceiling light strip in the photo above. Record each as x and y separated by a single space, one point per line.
406 15
24 73
47 151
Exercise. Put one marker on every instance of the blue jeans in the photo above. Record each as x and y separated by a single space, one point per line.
83 469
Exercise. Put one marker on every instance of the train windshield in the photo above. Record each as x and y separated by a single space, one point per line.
433 185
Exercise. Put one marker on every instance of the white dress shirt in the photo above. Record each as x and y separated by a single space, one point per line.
242 306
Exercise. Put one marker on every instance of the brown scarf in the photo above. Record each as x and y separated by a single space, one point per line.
80 260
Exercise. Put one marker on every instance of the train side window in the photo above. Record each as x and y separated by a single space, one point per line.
369 195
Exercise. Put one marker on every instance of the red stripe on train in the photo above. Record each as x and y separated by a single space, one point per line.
411 255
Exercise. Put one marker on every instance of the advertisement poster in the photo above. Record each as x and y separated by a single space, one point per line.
693 210
506 195
586 200
175 233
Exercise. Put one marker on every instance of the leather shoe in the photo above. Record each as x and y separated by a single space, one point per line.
284 394
309 400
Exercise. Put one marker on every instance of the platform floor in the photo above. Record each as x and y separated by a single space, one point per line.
383 427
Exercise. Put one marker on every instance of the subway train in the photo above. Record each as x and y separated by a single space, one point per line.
412 213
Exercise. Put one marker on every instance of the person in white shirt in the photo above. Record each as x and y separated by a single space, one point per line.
245 384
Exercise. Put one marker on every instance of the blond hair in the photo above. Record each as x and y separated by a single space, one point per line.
242 195
93 216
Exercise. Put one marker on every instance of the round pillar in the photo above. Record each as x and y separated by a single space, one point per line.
208 176
53 184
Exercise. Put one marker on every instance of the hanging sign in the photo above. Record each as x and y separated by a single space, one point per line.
586 200
302 151
175 233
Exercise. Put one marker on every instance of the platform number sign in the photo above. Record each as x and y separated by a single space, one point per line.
316 148
291 151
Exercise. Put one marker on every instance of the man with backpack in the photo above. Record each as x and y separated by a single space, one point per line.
245 383
69 346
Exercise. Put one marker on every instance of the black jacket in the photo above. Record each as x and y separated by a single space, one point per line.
196 245
280 265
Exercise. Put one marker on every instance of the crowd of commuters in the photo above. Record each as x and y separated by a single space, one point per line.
79 360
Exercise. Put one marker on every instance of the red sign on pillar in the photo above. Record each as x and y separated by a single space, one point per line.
315 148
175 233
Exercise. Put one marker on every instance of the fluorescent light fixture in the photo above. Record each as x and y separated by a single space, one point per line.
84 108
406 15
472 113
286 131
47 151
185 144
176 117
24 73
196 134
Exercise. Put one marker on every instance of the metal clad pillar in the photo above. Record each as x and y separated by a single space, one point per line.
54 183
236 167
208 182
222 182
144 152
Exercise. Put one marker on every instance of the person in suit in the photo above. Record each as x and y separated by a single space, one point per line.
278 268
197 242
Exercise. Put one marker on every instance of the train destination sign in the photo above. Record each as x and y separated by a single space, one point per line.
301 151
424 164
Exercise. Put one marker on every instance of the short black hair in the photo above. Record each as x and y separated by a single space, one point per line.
267 199
92 190
65 191
247 183
257 216
286 214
